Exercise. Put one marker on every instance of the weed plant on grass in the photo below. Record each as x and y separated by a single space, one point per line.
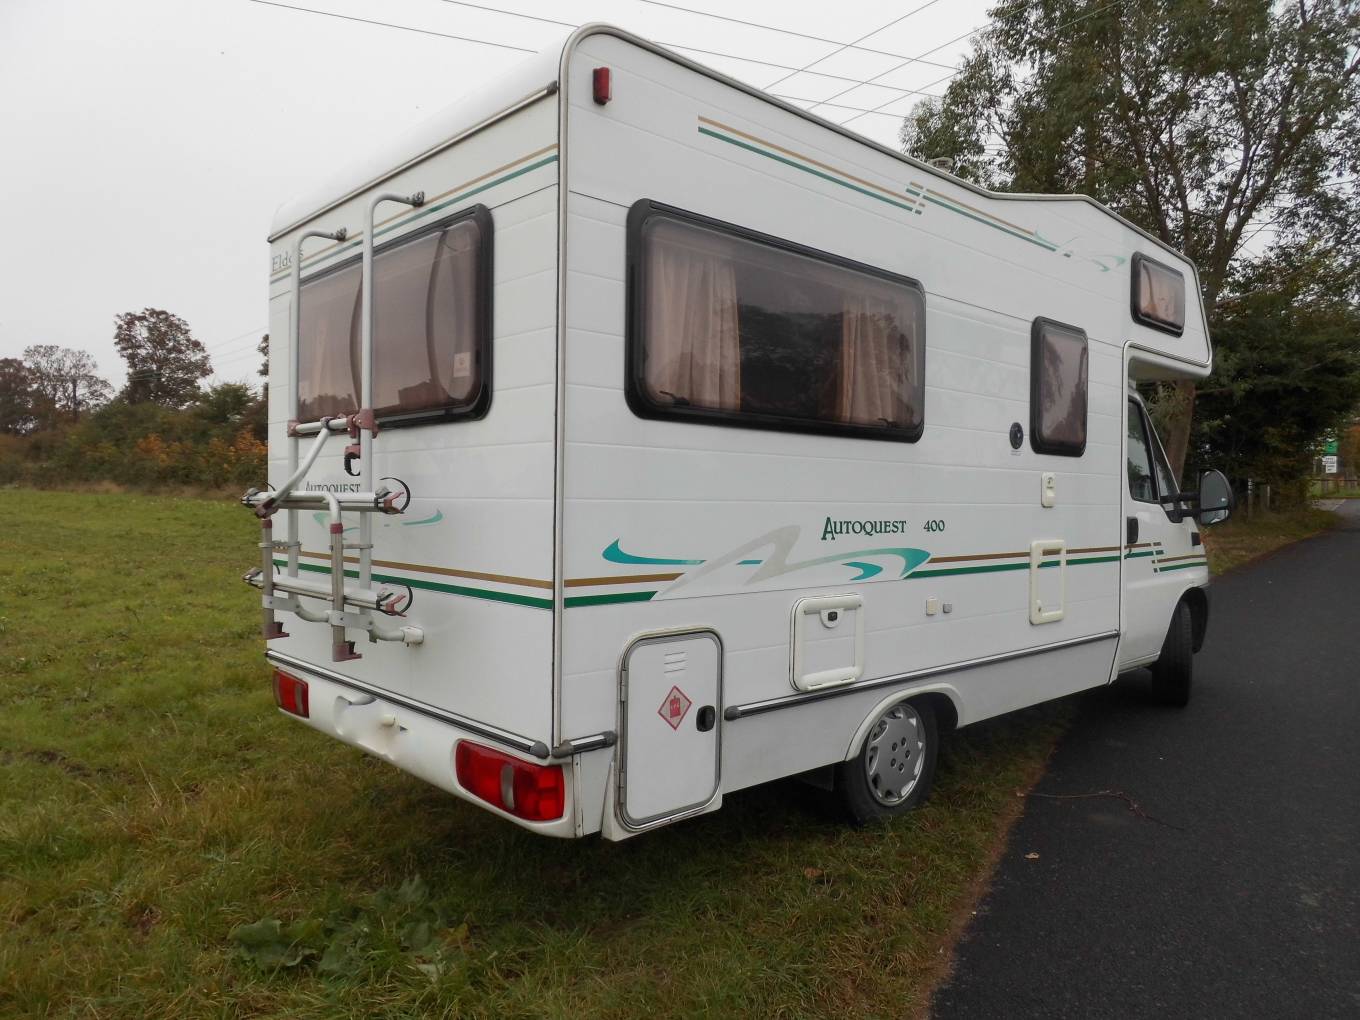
171 846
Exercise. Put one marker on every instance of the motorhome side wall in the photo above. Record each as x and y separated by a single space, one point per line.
648 501
476 542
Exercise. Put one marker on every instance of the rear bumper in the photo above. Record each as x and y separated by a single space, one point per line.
418 739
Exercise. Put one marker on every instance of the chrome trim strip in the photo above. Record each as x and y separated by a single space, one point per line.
579 745
533 97
537 748
790 700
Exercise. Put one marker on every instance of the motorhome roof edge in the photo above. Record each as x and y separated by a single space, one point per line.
295 213
526 83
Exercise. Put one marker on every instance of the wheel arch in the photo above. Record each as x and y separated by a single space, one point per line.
1197 600
943 700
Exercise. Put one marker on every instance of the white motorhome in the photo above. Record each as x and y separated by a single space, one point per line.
637 437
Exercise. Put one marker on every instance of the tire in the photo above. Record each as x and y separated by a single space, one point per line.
1174 670
889 776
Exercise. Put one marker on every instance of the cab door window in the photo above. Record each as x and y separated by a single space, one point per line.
1142 485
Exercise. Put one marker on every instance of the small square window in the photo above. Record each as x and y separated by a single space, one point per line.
1158 295
1058 382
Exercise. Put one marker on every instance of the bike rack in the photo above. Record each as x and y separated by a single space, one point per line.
350 608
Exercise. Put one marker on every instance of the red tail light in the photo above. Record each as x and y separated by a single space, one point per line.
290 693
537 793
602 85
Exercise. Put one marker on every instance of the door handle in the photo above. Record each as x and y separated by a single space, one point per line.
708 715
1131 530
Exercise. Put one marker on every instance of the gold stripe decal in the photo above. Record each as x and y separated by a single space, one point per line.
355 235
899 196
473 575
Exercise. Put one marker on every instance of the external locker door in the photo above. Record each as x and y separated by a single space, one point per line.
671 691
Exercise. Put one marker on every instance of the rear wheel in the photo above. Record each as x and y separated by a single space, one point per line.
1174 671
894 769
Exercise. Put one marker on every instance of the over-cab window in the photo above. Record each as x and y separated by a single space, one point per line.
431 328
1059 370
730 326
1158 295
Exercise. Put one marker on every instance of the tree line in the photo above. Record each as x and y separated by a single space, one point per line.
62 422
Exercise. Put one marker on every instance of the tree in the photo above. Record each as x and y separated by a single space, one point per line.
16 397
224 404
63 384
1268 405
1199 120
164 360
263 348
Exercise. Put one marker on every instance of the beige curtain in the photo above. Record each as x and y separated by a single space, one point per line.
693 345
875 362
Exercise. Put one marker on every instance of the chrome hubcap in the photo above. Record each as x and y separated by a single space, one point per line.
895 753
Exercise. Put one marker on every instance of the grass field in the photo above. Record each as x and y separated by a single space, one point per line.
170 846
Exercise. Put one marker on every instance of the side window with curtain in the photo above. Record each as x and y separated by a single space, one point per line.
431 328
1142 487
1059 370
1157 295
728 326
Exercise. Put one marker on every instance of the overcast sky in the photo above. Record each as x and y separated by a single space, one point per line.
145 144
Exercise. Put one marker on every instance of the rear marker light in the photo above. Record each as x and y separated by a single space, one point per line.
290 693
536 793
602 85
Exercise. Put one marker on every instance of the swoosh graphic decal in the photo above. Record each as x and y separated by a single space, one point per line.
616 555
434 518
867 570
324 519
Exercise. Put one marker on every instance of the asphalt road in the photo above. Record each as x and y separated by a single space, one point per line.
1222 878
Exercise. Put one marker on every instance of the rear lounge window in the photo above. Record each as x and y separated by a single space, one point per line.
431 328
1059 369
1158 295
733 327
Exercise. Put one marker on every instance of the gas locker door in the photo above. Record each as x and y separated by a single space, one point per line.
671 693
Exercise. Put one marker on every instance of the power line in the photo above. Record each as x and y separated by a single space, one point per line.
487 42
909 60
697 49
259 330
781 31
845 46
388 24
987 24
834 106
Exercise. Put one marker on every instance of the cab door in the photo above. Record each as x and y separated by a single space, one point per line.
1152 538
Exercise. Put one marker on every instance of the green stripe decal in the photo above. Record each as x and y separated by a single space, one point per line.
1183 566
988 223
447 589
806 169
920 196
604 600
993 568
423 212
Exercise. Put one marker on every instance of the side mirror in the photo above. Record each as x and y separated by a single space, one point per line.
1216 499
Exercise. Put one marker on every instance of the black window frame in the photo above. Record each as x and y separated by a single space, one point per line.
480 405
1137 409
1135 272
635 390
1175 512
1038 443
